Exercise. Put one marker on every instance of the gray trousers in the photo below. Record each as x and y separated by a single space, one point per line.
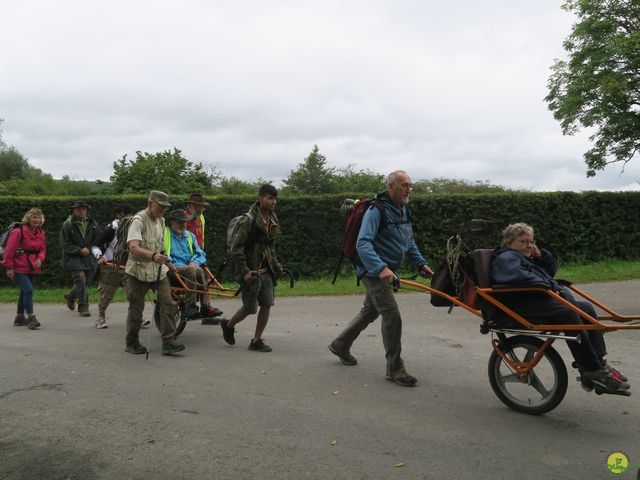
136 291
378 301
110 281
79 290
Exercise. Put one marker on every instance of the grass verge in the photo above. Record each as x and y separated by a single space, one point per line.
604 271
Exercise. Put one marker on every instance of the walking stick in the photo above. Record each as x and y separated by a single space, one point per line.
150 327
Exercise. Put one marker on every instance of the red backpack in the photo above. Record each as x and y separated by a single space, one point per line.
355 210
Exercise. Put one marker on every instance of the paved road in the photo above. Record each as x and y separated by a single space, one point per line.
74 405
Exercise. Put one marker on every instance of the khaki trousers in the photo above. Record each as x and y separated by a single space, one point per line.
136 291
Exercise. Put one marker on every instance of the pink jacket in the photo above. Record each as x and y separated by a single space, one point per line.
33 244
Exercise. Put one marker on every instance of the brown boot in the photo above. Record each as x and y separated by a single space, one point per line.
20 320
33 322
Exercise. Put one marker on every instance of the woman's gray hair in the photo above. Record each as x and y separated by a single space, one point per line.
515 230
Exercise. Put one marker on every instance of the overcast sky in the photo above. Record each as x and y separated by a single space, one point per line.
440 89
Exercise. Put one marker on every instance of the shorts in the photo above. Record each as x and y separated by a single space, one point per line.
258 293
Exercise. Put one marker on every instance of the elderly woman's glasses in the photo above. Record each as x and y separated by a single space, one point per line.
525 241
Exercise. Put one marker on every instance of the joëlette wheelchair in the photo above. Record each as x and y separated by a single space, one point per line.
525 372
180 290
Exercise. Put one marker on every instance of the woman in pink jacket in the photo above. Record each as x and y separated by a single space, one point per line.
23 258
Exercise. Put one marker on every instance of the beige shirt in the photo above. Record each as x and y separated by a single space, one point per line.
150 234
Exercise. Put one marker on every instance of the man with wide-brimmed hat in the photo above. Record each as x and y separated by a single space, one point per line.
195 208
188 258
77 235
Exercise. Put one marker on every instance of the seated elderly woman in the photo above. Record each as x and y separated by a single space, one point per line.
520 262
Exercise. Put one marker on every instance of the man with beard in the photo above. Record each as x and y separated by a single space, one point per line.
256 266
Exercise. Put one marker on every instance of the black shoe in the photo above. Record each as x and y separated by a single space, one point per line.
136 348
71 302
171 347
345 357
228 332
259 346
21 321
401 377
33 323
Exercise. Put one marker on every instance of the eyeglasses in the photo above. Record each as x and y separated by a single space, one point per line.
525 241
407 186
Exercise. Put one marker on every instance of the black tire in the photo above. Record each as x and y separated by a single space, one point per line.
544 387
181 321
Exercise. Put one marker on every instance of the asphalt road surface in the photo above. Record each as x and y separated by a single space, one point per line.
75 405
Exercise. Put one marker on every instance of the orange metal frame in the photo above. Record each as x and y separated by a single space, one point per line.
217 288
522 368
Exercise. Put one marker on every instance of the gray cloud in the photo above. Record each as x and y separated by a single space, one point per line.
453 90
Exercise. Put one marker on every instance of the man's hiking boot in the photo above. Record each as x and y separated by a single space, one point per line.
33 322
136 348
71 302
345 357
101 322
84 313
259 346
171 347
604 382
20 321
228 332
401 377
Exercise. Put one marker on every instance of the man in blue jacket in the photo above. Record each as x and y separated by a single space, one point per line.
384 242
182 249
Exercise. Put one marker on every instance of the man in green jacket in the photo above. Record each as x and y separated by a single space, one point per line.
77 235
256 266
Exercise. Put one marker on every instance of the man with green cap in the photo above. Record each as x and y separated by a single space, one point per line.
147 268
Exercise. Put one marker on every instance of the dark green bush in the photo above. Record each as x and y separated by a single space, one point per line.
578 227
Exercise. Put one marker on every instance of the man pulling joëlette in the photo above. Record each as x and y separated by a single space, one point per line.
382 250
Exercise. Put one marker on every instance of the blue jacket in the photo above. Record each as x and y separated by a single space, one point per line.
509 266
387 247
182 251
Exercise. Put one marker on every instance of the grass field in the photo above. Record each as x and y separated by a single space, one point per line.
605 271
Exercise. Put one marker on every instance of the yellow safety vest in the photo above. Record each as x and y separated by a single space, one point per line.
167 241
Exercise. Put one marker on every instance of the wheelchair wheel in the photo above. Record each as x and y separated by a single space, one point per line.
179 317
541 390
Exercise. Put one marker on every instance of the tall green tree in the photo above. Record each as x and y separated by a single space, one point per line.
312 175
168 171
598 86
13 165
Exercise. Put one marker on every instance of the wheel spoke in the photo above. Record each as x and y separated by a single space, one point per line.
511 378
537 384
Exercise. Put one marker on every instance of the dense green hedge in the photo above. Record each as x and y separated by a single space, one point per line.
576 226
